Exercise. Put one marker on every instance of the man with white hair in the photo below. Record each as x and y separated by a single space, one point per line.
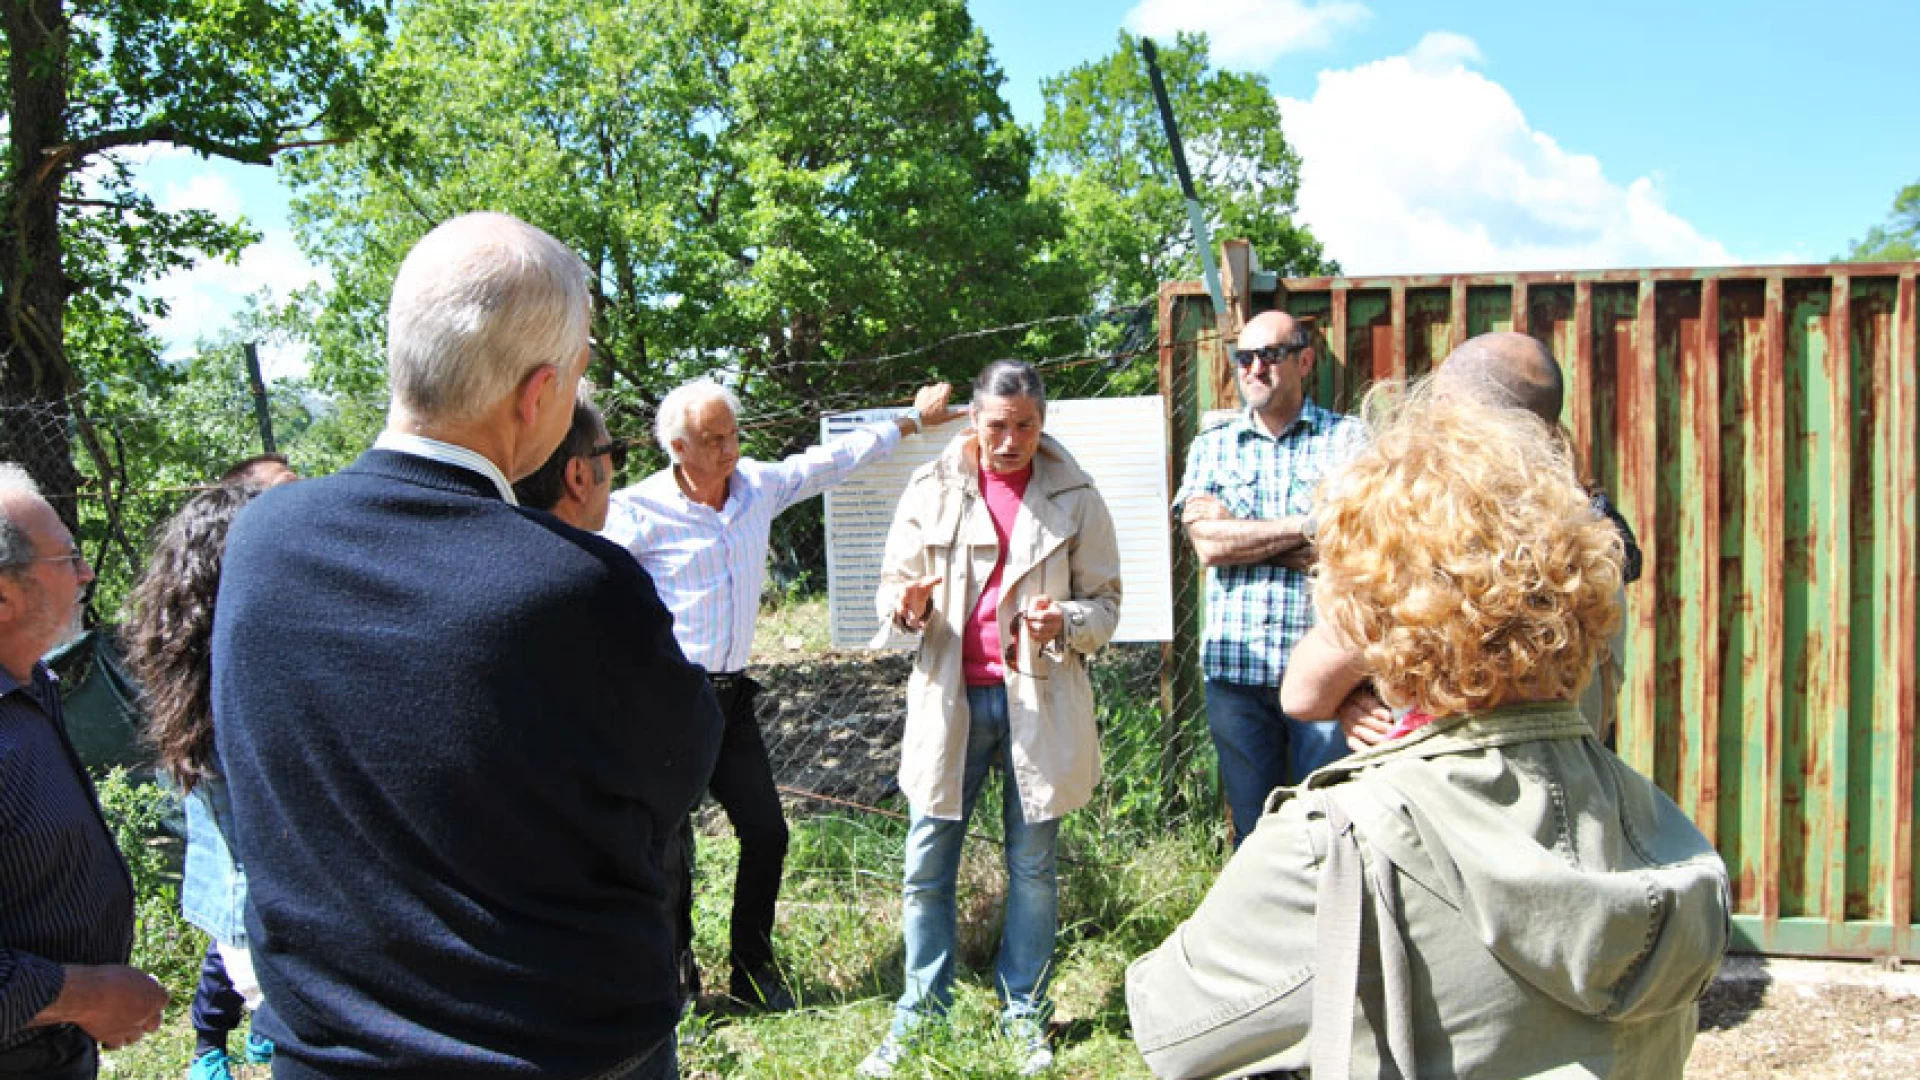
66 924
701 527
458 734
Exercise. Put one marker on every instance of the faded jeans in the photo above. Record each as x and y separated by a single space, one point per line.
1025 963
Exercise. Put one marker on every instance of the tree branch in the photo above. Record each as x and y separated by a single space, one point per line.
73 153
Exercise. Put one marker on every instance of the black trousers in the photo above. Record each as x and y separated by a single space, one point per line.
743 786
61 1052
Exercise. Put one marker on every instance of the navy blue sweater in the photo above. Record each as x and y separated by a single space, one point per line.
459 738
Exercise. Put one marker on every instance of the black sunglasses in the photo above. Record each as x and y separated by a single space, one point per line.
615 451
1272 354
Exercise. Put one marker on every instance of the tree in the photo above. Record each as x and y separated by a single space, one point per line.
1898 239
1104 152
87 84
775 192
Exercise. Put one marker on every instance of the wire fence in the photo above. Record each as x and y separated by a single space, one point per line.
832 717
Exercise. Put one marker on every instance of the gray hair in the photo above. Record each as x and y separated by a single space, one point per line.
1011 378
16 546
670 422
480 302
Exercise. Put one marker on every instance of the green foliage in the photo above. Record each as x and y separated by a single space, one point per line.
1899 238
165 945
90 83
165 428
768 191
1104 152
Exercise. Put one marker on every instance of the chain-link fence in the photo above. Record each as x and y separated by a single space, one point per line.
832 716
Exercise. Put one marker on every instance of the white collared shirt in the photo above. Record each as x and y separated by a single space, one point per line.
447 453
709 565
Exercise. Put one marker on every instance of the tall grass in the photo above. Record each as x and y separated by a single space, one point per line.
1130 872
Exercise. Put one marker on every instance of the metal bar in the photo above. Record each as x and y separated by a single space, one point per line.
1639 479
1343 390
1196 218
1456 317
1521 321
1835 565
258 387
1767 474
1703 555
1901 627
1399 316
1583 376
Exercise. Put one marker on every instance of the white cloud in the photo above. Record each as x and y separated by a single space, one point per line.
1420 164
202 191
1249 33
203 300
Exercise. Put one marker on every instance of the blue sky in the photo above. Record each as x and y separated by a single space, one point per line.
1489 136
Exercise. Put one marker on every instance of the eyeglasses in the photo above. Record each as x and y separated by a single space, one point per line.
73 556
1272 354
615 452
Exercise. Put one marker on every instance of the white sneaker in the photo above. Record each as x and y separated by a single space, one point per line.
880 1064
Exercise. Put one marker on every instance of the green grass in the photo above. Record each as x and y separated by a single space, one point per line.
1121 893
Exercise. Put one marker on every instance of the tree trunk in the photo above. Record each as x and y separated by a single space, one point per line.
35 377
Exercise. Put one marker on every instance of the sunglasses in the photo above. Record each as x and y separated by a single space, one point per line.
1271 354
615 452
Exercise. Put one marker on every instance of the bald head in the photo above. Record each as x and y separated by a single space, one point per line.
1506 369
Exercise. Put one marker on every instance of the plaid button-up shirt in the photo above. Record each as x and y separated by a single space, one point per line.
1256 613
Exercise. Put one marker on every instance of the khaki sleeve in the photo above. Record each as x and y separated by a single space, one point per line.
1230 993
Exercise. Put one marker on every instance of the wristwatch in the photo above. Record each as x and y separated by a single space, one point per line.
914 419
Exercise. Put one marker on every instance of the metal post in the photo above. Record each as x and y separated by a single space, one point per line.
259 389
1195 217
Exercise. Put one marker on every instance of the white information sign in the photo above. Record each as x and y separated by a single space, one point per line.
1121 442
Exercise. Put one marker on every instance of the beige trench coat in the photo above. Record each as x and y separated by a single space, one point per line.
1062 546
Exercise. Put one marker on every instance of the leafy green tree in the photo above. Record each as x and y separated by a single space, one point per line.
89 83
1899 238
1104 152
777 192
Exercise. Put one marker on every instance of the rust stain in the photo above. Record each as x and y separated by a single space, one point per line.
1708 481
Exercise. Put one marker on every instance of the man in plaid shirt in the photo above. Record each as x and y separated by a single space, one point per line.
1245 503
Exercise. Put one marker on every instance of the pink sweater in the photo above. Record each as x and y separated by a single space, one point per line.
981 659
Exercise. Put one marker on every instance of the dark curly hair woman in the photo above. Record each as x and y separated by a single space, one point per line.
169 638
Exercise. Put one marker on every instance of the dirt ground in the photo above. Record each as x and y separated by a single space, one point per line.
1810 1019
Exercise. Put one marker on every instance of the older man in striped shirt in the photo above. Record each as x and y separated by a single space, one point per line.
701 528
66 902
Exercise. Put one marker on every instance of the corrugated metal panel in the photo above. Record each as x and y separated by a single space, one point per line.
1758 427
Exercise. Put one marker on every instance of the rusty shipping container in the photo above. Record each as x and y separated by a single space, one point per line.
1758 428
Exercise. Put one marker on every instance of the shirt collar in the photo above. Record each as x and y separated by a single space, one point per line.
39 676
447 454
1312 418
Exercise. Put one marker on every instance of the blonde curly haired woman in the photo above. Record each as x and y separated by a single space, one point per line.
1492 893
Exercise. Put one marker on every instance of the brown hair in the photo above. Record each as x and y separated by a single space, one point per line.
169 635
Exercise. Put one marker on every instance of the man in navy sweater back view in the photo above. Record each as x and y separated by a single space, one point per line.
458 733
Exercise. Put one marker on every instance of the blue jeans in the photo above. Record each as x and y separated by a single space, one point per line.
1025 963
1261 748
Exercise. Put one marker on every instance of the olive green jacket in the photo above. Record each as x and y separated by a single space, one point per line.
1550 912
